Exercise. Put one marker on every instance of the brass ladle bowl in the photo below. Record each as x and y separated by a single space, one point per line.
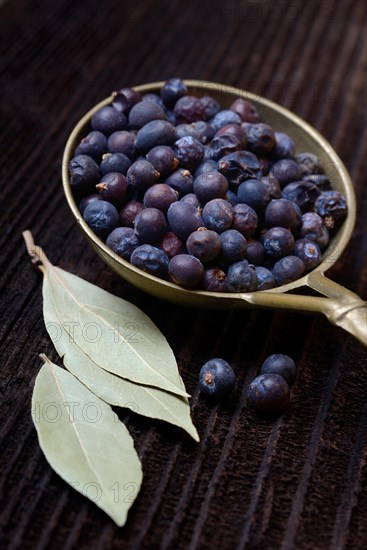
341 306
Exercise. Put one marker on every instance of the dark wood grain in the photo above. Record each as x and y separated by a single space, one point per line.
295 482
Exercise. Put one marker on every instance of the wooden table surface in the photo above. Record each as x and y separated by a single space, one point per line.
295 482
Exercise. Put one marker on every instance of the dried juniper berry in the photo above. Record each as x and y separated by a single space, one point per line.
141 175
154 98
233 130
163 159
160 196
88 199
204 244
254 193
102 217
184 219
188 109
192 199
125 98
241 277
332 207
255 252
113 188
260 138
123 241
181 180
156 132
108 120
115 162
281 213
211 106
281 364
308 163
233 246
309 252
288 269
150 259
245 219
122 142
171 244
94 145
218 215
278 242
286 171
313 228
321 181
129 212
273 186
269 394
200 130
222 118
210 185
144 112
150 225
189 152
246 110
185 270
264 277
214 280
223 145
216 379
239 166
232 198
172 90
303 193
206 166
285 147
84 172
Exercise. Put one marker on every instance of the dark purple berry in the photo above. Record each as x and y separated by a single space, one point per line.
181 180
189 152
241 277
282 365
205 167
309 252
321 181
216 379
288 269
102 217
269 393
123 242
108 120
200 130
286 171
141 175
222 118
84 172
308 163
150 259
156 132
172 90
115 162
88 199
303 193
281 213
122 142
255 252
246 110
285 147
150 225
163 159
233 246
188 109
204 244
254 193
185 270
160 196
209 186
313 228
145 112
265 279
233 130
218 215
223 145
278 242
239 166
215 280
192 199
171 244
154 98
93 145
273 186
124 99
113 188
211 106
184 219
332 207
129 212
245 219
260 138
232 198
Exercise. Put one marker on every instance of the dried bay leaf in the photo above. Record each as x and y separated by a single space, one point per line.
84 441
146 400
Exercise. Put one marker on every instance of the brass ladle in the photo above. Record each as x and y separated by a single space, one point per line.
341 306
